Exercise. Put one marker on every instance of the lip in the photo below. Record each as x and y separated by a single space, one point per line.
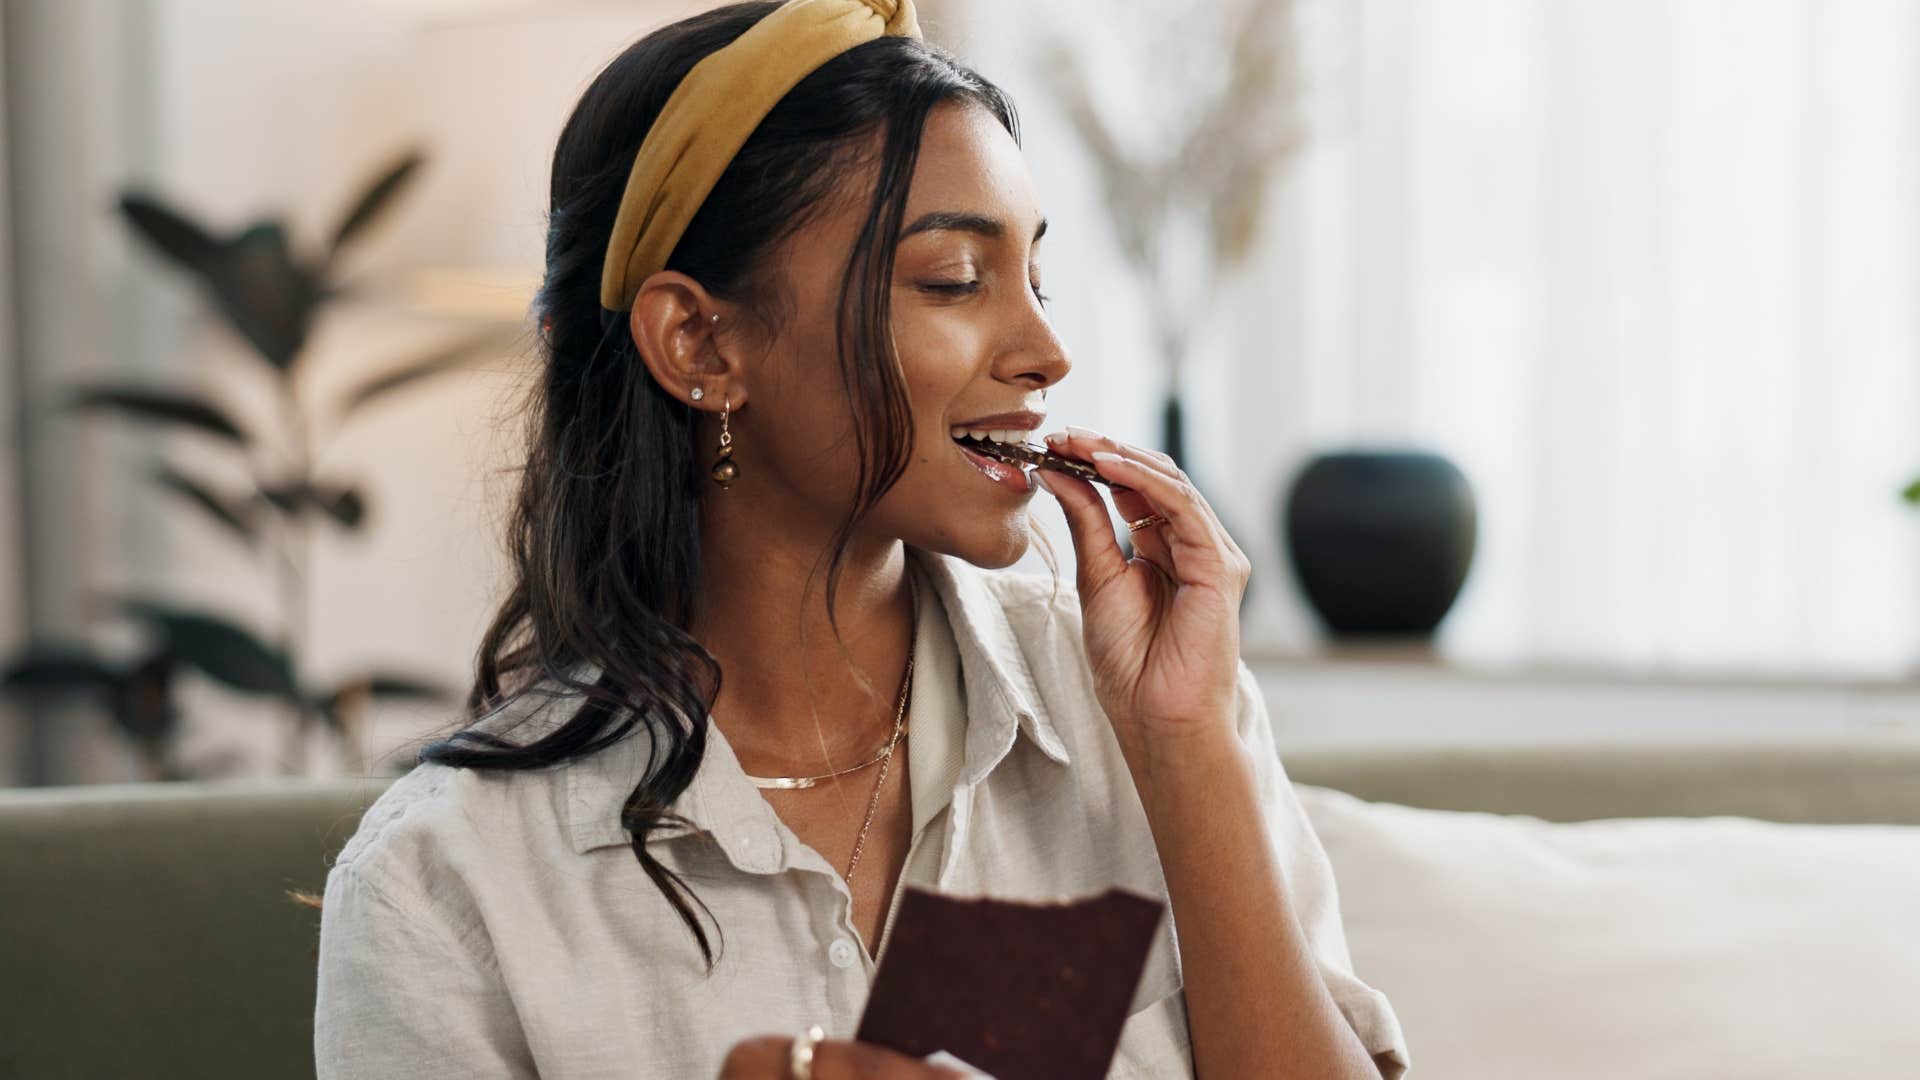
1011 477
1019 420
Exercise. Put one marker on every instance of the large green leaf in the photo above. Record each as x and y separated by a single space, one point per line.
404 686
293 499
169 232
58 666
234 515
343 504
259 287
223 650
162 405
367 207
448 358
144 708
376 685
265 292
139 698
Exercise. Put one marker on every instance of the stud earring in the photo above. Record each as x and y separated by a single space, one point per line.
696 393
725 470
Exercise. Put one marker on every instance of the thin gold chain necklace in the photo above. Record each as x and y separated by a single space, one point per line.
794 782
899 728
884 757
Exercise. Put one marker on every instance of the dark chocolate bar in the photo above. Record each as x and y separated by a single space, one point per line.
1022 990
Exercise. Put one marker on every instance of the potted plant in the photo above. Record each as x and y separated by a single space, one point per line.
271 293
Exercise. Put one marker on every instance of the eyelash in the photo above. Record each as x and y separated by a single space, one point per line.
956 288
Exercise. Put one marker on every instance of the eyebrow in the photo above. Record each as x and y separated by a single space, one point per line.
962 221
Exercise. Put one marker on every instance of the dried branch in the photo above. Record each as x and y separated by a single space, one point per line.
1220 171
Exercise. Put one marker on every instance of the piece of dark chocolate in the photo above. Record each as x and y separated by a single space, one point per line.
1042 458
1024 991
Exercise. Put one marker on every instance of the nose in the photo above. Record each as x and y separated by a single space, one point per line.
1036 357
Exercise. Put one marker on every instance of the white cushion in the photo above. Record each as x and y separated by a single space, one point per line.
1514 948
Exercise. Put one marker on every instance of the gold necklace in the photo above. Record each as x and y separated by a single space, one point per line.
794 782
884 757
899 720
899 727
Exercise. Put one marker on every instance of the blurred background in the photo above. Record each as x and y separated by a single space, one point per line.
1554 360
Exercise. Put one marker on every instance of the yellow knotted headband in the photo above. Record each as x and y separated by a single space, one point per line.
710 114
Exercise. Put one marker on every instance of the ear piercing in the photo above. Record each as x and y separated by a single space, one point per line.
696 393
725 470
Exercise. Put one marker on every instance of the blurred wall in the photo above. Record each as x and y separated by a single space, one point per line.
77 121
13 730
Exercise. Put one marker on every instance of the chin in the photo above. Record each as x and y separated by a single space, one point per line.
990 544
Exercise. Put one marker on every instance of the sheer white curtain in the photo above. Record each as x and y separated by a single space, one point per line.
1645 269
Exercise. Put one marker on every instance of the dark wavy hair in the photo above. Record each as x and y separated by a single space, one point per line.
603 534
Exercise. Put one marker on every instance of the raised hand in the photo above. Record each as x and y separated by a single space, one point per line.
1163 628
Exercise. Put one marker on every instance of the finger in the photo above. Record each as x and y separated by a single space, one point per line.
1150 541
1096 547
755 1057
1199 557
1082 442
836 1059
1079 444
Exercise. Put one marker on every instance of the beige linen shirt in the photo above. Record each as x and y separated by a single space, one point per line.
497 924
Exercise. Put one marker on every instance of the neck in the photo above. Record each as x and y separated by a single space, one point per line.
790 701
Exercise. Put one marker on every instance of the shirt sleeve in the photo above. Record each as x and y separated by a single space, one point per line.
1312 889
401 994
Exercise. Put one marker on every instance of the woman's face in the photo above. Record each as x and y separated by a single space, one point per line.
974 342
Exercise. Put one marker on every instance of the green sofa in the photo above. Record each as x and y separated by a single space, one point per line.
146 931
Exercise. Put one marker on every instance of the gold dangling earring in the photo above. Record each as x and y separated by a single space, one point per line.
725 471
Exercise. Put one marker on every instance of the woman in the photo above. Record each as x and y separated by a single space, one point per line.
781 289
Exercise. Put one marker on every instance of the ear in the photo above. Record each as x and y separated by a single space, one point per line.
673 326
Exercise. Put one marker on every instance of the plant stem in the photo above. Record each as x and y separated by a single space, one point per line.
294 576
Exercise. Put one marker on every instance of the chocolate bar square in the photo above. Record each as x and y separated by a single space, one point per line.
1025 991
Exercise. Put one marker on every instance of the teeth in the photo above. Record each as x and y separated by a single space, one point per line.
1004 435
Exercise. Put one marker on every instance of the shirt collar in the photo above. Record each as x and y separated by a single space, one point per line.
1002 702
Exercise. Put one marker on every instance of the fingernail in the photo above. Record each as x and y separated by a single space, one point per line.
1055 438
1082 433
1107 455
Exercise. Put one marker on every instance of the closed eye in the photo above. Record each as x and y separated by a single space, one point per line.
957 288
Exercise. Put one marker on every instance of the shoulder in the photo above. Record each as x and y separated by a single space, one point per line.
439 823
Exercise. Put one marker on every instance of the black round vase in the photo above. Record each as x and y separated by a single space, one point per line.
1380 541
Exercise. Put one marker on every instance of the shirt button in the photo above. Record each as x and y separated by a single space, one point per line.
842 953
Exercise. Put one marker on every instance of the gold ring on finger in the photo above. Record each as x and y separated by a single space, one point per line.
1146 522
800 1057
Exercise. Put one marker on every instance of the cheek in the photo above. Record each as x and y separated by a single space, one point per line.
938 377
802 421
937 393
